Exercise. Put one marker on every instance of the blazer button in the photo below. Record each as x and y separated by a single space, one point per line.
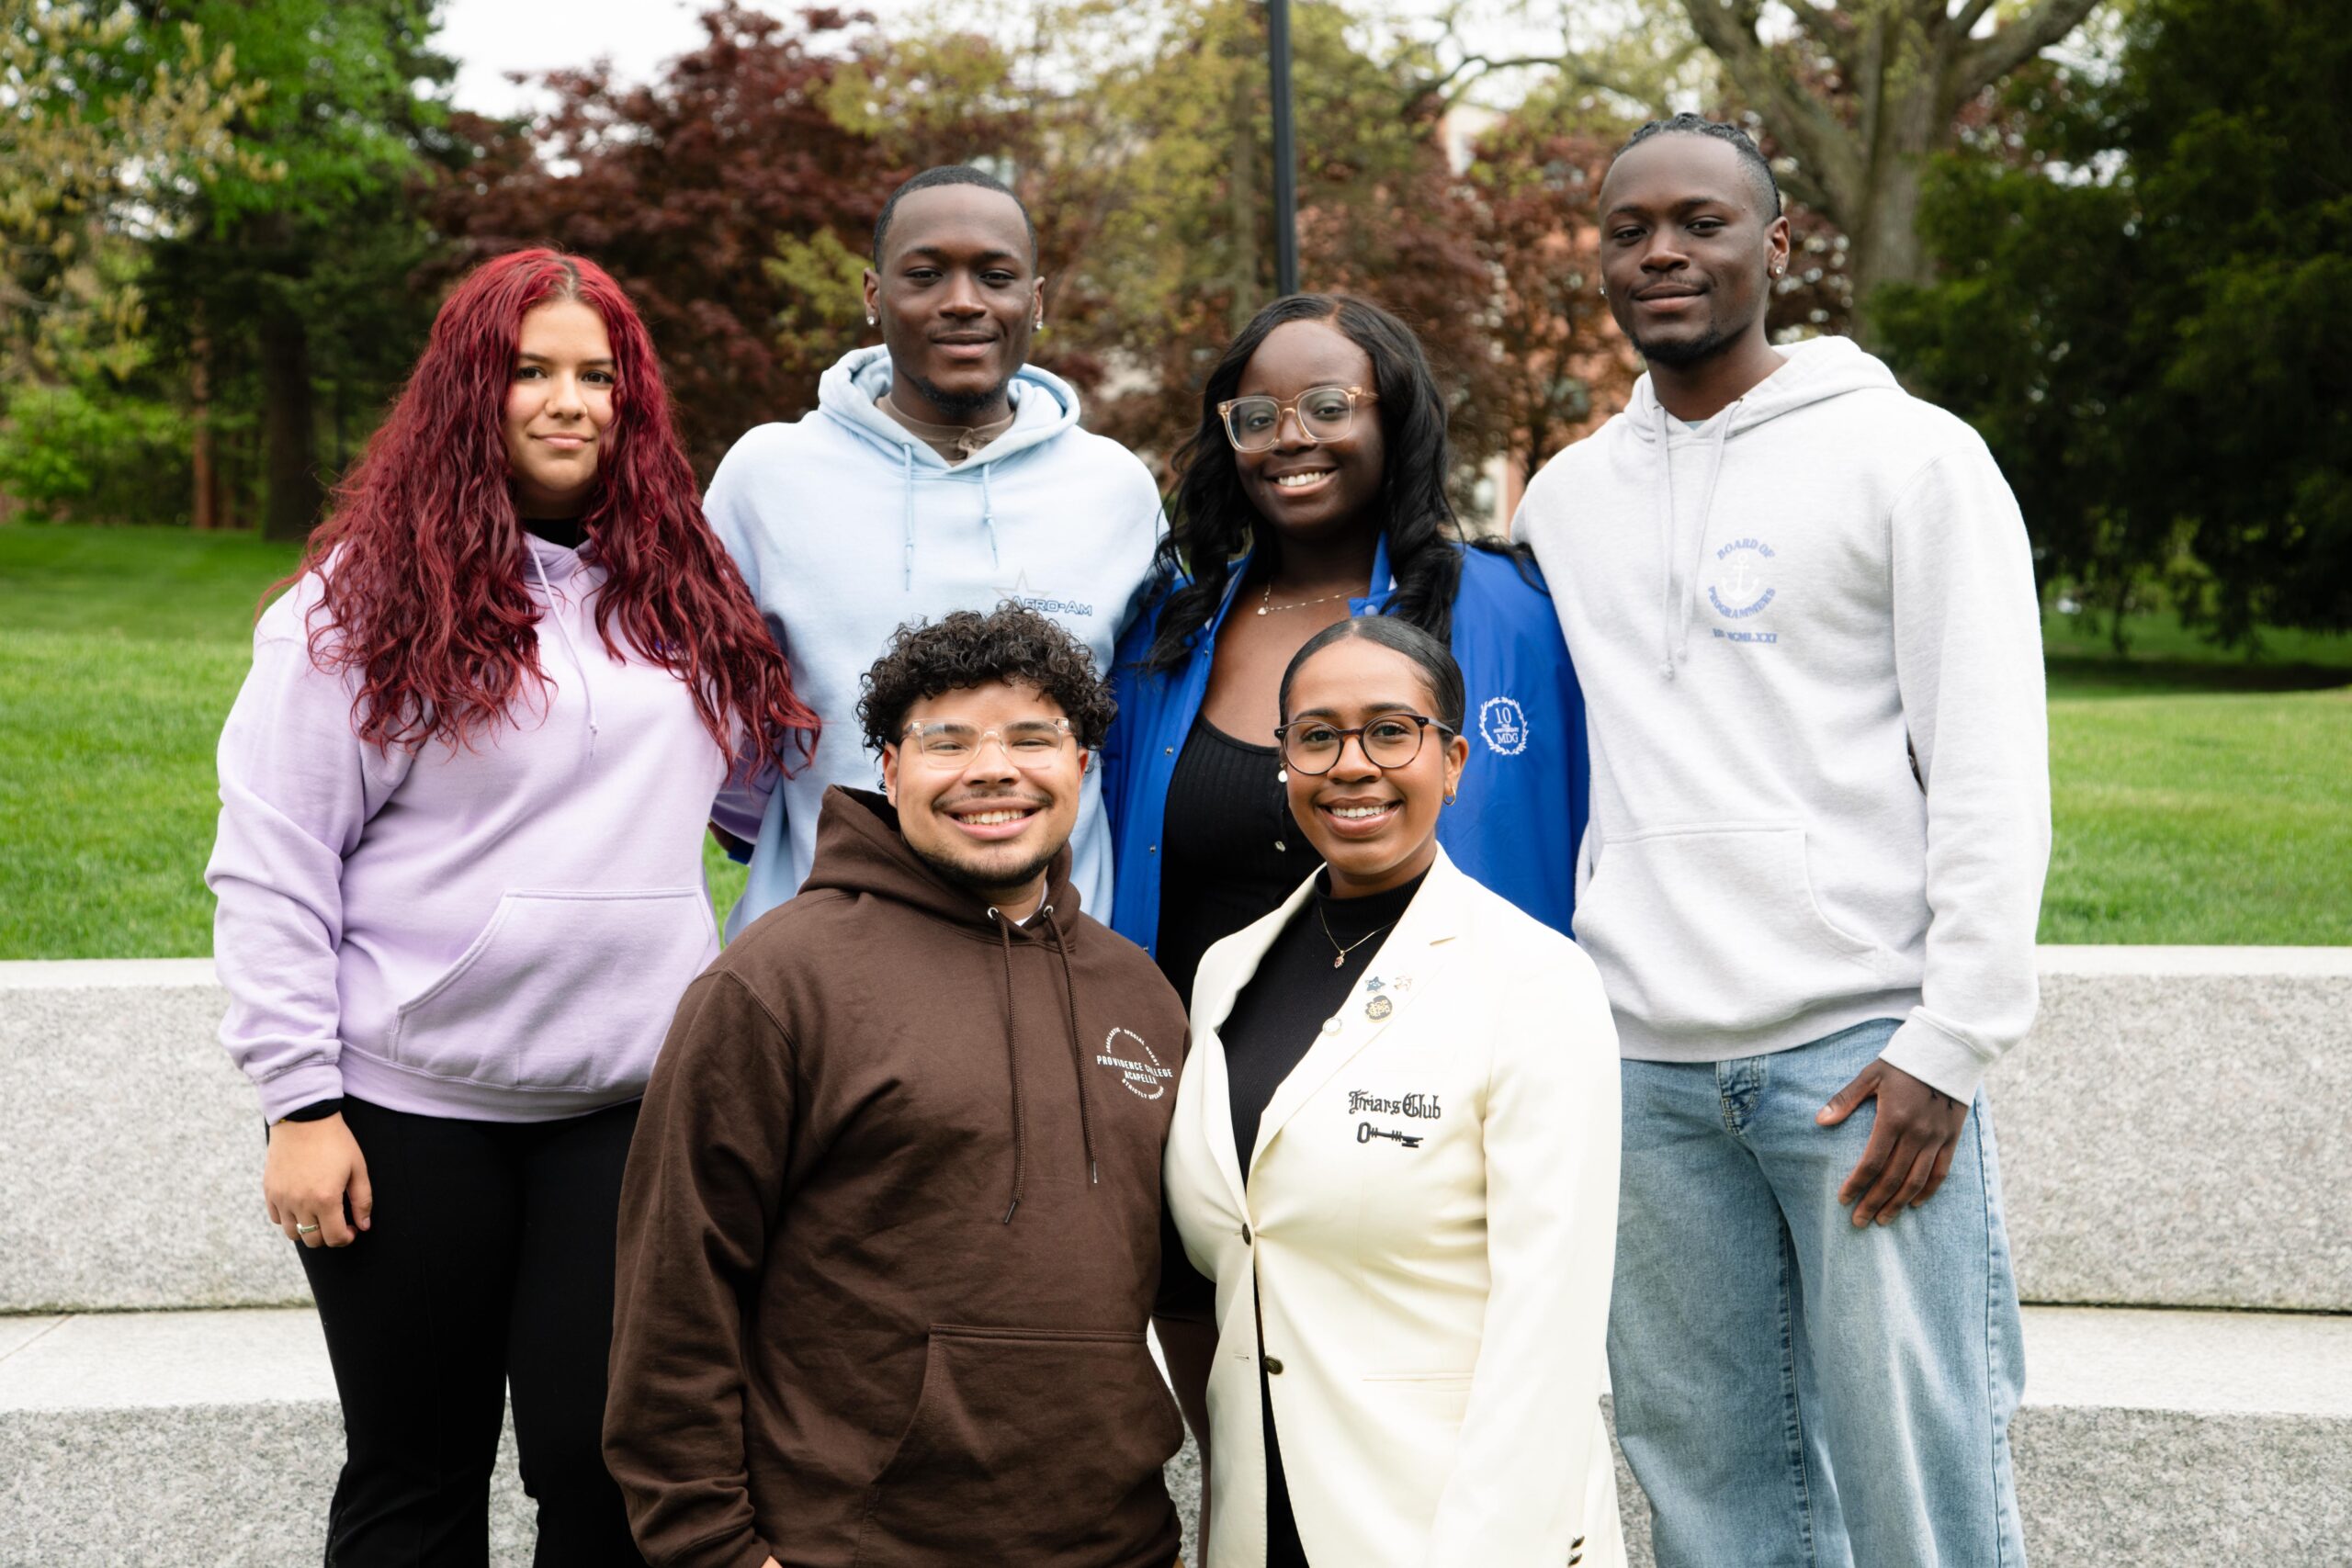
1245 1236
1273 1367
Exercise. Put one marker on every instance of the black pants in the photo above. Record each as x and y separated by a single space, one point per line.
488 1267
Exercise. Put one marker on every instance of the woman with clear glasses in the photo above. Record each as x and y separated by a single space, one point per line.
1394 1157
1314 490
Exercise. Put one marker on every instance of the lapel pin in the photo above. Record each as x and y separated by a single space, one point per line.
1378 1009
1332 1024
1374 984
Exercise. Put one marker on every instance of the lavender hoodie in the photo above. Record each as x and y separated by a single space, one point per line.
499 933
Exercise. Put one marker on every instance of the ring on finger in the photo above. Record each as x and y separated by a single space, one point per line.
306 1230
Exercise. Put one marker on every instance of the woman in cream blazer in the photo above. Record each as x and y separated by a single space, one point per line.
1413 1260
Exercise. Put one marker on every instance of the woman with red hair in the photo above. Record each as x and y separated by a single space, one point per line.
460 886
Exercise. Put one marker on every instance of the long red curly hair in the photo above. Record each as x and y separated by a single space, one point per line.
423 567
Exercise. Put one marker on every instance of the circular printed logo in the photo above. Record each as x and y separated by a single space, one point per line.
1502 724
1739 589
1137 1065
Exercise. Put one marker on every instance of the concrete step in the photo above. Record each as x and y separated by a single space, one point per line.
2147 1439
2171 1136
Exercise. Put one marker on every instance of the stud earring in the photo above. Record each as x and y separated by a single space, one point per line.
870 317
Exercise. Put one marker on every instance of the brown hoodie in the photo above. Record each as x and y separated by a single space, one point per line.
891 1233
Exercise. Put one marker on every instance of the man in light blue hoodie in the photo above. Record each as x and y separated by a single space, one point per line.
1803 607
939 472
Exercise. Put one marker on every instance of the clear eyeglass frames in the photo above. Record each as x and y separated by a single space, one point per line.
1028 743
1324 414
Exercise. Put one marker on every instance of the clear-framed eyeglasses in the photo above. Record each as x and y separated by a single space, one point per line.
1312 746
1324 414
1029 743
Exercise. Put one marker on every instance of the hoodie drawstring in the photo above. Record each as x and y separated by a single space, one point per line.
988 513
1011 1062
1077 1050
907 511
1674 633
587 687
1012 1059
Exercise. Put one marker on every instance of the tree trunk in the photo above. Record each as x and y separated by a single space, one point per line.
290 473
204 516
1914 121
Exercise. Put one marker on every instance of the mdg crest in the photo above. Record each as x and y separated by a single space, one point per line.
1502 724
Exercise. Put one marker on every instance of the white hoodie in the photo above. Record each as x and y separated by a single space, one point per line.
1811 653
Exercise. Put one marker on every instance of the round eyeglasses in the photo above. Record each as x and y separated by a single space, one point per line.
1325 413
1028 743
1312 746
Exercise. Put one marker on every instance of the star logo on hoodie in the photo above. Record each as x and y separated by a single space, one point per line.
1019 592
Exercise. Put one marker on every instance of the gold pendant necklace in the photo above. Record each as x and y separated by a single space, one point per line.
1263 607
1344 951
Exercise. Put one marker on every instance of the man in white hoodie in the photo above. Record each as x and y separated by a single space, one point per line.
939 471
1803 607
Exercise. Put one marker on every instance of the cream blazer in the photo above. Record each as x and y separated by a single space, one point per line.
1428 1225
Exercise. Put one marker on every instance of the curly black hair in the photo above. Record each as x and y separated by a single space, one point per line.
967 649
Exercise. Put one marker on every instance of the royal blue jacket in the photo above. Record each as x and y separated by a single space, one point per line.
1525 791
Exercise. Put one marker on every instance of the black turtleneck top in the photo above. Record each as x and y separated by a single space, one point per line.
1277 1017
569 532
1301 981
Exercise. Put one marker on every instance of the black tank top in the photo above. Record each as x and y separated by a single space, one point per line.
1229 852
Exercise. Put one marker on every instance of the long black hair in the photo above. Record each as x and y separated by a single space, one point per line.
1211 520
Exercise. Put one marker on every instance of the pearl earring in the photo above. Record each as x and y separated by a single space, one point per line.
869 317
1281 775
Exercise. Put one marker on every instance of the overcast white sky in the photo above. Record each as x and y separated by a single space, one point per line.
490 38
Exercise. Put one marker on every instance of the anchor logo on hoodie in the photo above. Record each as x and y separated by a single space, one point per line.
1742 579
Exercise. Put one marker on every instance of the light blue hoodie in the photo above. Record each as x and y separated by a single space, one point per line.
847 526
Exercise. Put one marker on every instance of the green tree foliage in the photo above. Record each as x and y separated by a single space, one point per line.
102 116
724 194
1140 135
292 298
2151 323
1861 95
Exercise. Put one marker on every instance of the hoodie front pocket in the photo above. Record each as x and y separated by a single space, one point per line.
1715 930
1031 1446
562 990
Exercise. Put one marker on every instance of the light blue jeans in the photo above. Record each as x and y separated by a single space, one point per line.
1793 1392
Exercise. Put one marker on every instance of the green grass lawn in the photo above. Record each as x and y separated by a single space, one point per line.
120 650
2199 797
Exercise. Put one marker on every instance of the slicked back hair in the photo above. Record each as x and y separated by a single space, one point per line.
1759 173
1439 669
950 175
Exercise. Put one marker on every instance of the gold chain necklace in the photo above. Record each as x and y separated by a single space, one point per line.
1344 951
1263 607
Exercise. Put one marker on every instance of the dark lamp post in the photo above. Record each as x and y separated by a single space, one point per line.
1285 152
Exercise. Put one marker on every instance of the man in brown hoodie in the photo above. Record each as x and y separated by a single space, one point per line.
890 1230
